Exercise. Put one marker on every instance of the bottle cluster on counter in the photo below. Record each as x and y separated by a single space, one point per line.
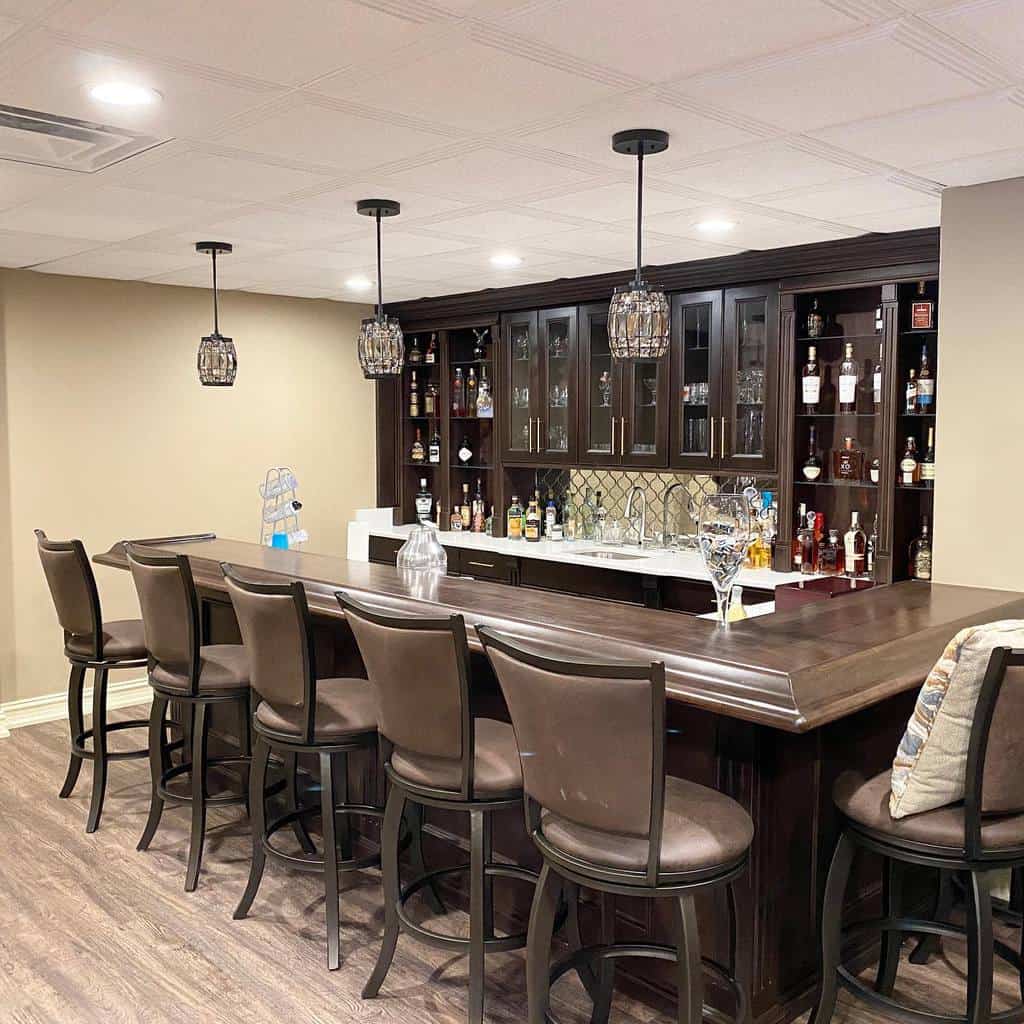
550 519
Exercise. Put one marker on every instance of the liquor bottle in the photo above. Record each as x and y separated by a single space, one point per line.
815 321
805 540
465 451
921 554
478 518
925 384
471 393
417 453
456 519
489 523
458 394
736 612
928 462
540 509
812 464
514 520
550 514
600 515
415 356
876 380
424 502
434 449
585 530
911 393
484 398
570 518
871 550
466 509
879 320
830 555
875 470
414 397
848 461
910 468
855 545
430 398
922 310
797 553
430 356
532 531
848 378
811 381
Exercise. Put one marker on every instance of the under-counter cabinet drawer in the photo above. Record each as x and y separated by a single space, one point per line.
384 549
485 565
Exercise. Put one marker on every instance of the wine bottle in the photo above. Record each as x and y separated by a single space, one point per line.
848 379
811 389
855 547
928 462
925 384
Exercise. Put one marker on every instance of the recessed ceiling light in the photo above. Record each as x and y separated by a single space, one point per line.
506 259
359 283
124 94
715 225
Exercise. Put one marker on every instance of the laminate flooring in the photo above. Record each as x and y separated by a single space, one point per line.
93 931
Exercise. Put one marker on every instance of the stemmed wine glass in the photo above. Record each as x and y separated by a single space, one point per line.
724 533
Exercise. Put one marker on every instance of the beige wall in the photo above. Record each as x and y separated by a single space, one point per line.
980 486
110 434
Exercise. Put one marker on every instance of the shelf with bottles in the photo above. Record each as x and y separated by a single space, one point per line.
481 466
867 484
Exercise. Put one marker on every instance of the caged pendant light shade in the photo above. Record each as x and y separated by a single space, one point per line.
381 348
217 361
638 316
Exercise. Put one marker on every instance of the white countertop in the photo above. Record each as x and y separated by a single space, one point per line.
678 564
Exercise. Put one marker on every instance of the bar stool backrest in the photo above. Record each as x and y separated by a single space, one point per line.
995 782
277 632
591 739
419 668
73 589
170 611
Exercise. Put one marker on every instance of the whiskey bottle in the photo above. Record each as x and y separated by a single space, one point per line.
456 519
430 356
466 509
805 539
812 464
801 515
811 381
876 380
871 550
434 449
910 468
815 321
532 531
848 462
471 393
925 384
514 520
484 398
458 394
465 451
830 555
928 462
477 524
424 502
855 547
922 310
875 470
921 554
911 393
848 378
415 356
430 397
417 453
414 397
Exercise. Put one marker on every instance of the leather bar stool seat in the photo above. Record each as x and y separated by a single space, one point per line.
123 640
865 802
343 707
222 667
703 831
496 770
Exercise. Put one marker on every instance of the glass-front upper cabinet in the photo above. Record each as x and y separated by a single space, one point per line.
598 388
748 412
644 414
556 419
694 395
519 340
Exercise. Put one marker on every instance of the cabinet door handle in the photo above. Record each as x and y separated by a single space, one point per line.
482 565
622 436
723 437
711 453
539 425
614 418
530 446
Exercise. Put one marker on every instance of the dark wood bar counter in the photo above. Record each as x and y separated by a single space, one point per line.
768 710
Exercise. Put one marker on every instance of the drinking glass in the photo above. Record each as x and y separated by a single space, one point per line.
724 533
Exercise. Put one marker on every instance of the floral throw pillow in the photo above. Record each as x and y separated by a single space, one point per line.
930 768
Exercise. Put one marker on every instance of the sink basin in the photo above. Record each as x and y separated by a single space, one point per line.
612 556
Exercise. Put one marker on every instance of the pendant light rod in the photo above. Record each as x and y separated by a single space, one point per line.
639 214
378 208
216 321
213 249
380 281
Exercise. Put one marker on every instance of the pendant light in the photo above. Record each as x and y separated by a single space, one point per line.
217 361
381 349
638 316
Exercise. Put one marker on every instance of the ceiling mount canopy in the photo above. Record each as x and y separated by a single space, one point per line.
381 348
638 316
217 361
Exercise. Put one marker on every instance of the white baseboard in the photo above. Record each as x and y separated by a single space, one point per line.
52 707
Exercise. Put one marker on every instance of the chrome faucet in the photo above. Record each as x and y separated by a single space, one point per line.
665 541
633 492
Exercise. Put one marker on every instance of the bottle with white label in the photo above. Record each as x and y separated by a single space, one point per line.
910 468
928 462
812 466
848 377
911 393
465 452
855 547
811 389
925 384
877 380
424 502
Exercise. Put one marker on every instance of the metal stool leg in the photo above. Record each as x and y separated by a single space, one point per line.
571 930
159 762
980 949
740 950
480 827
330 862
341 788
889 958
99 749
689 975
546 897
414 827
390 833
932 944
258 803
606 972
76 721
831 929
291 761
200 740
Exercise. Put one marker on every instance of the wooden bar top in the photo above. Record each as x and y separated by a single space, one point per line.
793 671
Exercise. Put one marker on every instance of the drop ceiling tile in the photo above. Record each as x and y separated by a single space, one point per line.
617 244
973 170
867 76
934 134
279 227
681 250
473 87
123 264
231 274
19 249
925 216
755 169
321 135
109 213
182 244
8 26
231 179
997 26
751 231
399 244
291 44
842 201
22 182
497 227
664 39
572 266
614 203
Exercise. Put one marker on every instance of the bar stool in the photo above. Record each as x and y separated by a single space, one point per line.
299 713
89 642
196 676
628 831
437 755
977 838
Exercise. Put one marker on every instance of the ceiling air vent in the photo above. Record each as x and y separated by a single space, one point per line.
31 137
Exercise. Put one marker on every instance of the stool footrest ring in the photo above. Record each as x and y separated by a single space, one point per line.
311 862
79 749
221 799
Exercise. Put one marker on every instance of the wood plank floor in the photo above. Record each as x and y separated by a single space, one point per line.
91 930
